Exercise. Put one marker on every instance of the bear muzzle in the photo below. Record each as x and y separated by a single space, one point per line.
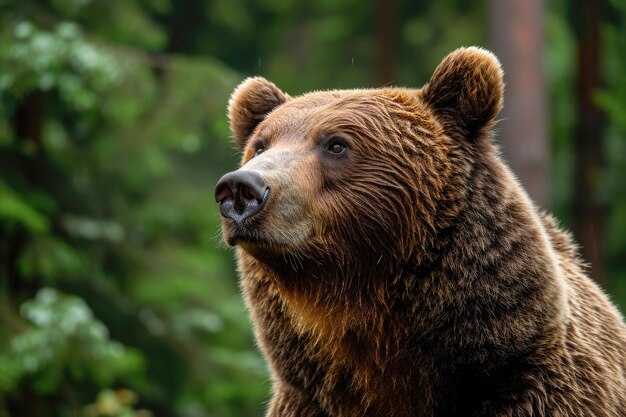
241 194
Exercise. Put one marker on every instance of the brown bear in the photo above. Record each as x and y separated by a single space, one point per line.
394 266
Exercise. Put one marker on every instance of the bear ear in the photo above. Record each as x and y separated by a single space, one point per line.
467 90
251 101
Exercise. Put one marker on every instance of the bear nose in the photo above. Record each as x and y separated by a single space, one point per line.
241 194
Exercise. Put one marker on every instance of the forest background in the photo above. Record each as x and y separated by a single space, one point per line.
116 298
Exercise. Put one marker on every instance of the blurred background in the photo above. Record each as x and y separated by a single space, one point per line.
115 296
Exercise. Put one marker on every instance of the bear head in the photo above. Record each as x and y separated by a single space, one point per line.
340 189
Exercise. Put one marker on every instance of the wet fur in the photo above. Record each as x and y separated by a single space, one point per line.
429 285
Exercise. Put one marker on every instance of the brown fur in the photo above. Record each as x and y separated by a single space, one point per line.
412 276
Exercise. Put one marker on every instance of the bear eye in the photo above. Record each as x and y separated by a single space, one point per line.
259 150
336 148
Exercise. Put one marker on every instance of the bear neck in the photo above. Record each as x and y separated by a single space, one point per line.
495 285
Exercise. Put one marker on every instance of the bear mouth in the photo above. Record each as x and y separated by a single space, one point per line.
248 235
251 237
247 240
236 234
265 250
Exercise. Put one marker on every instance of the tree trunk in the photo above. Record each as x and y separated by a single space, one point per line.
27 123
385 24
589 208
28 120
516 35
184 23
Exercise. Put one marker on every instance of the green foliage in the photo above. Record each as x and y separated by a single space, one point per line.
60 60
13 208
115 297
560 60
109 274
63 342
613 100
119 403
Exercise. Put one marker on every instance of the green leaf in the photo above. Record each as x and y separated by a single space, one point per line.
14 208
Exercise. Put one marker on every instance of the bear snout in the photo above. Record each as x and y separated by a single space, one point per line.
241 194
